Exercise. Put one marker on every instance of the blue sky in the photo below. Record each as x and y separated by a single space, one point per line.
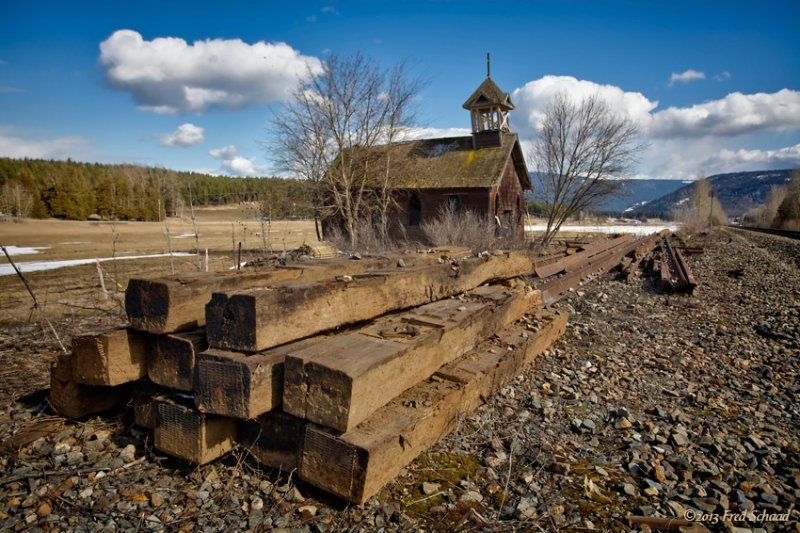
715 86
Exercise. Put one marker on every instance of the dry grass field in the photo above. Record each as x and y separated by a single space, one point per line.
64 290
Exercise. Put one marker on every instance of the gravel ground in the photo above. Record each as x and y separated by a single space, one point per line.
651 405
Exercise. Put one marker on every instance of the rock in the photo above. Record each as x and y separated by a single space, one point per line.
526 509
680 439
769 498
471 496
293 495
44 509
623 423
430 488
308 511
128 454
156 500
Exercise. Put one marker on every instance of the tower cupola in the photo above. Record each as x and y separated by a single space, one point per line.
489 109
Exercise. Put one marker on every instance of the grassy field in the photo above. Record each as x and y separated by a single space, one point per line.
66 291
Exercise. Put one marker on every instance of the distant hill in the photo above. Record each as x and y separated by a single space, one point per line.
639 192
738 192
635 192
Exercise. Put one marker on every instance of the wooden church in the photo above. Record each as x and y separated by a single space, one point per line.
484 172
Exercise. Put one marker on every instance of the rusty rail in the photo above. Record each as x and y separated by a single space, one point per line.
555 289
577 261
675 272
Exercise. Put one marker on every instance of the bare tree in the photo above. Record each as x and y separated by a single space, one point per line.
401 111
15 199
581 149
327 133
702 210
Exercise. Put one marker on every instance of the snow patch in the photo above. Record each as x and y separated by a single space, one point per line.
632 230
25 250
34 266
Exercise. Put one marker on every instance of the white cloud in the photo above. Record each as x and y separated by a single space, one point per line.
686 76
236 165
788 157
186 135
723 76
532 99
721 135
735 114
411 134
226 152
71 146
169 76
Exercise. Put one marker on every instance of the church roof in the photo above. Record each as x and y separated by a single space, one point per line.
452 162
488 93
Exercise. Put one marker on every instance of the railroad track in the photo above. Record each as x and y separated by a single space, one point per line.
772 231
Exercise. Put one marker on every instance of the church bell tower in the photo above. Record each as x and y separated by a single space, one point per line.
489 109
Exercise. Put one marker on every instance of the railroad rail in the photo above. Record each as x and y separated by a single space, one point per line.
606 255
791 234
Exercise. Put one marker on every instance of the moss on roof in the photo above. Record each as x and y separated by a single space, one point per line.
452 162
445 163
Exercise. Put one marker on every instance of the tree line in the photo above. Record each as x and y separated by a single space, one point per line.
73 190
781 209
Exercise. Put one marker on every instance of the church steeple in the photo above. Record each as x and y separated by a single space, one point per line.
489 109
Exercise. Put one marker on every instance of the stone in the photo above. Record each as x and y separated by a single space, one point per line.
471 496
430 488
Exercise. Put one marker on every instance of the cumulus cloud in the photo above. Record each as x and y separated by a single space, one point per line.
170 76
532 99
735 114
236 165
71 146
185 136
686 76
714 136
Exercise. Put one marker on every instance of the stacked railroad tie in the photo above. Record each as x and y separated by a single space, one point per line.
343 370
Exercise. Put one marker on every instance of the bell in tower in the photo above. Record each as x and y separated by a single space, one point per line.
489 108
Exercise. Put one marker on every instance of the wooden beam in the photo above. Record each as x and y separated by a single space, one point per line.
146 396
356 464
342 381
275 439
242 386
172 361
110 357
177 303
184 432
259 319
73 400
